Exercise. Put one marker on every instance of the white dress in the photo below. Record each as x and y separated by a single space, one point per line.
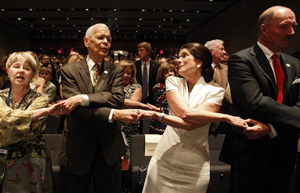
181 160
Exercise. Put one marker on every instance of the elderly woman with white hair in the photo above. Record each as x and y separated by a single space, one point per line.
24 161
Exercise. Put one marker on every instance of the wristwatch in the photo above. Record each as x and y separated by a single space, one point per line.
161 117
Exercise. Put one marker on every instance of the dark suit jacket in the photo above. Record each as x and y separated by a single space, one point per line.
254 95
152 77
87 128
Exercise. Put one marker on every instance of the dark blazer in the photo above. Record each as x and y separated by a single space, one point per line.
152 78
254 95
87 128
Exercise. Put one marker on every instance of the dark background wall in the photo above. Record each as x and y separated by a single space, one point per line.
13 39
237 26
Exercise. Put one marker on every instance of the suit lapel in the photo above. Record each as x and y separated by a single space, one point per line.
287 75
264 65
224 75
85 75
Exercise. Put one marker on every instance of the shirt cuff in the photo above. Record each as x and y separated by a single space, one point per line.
111 115
273 132
85 100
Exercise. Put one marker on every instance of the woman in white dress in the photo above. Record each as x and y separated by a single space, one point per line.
181 159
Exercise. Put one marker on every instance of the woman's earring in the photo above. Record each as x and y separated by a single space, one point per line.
198 66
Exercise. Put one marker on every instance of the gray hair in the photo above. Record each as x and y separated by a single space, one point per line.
91 30
20 56
212 44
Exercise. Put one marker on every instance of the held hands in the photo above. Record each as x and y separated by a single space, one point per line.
236 121
126 116
256 130
56 109
71 103
146 114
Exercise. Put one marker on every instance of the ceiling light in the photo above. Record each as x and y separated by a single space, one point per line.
60 31
187 19
197 11
31 25
79 30
164 19
43 18
74 25
143 10
136 31
53 25
170 10
118 31
2 9
155 31
174 32
115 10
159 26
117 25
182 10
30 9
86 9
140 19
67 18
180 26
116 18
58 9
210 0
19 18
41 31
138 26
92 18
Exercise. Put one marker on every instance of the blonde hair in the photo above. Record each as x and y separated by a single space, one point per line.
125 63
27 57
145 45
73 58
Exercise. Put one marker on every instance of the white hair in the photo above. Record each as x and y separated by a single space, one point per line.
212 44
91 30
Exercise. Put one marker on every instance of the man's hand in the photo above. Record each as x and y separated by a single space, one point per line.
257 130
71 103
126 116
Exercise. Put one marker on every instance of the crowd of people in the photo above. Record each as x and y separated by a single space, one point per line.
252 96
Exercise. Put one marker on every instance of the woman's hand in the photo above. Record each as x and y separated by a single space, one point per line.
153 108
146 114
71 103
56 109
236 121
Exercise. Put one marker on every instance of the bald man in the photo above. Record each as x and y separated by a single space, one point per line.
263 88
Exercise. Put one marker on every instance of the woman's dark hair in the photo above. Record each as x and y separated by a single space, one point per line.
202 53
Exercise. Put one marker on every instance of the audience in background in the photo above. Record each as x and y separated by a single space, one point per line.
44 84
4 80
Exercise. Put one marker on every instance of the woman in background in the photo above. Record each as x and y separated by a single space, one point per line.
25 165
161 105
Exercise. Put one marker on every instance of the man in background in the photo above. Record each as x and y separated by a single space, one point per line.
146 70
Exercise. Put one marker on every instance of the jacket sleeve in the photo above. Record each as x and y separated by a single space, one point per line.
250 101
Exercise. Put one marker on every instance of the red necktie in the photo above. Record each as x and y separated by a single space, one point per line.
279 74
